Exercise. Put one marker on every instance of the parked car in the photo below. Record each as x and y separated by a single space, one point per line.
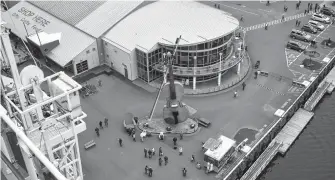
316 25
295 45
327 11
321 18
309 28
300 35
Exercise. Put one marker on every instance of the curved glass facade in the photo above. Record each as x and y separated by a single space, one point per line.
206 54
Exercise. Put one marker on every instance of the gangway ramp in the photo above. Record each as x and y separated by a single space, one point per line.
317 95
263 160
292 129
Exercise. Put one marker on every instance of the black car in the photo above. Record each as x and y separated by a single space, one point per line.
309 28
295 46
327 11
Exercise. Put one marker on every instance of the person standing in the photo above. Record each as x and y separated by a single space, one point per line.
243 86
296 22
150 153
241 18
180 151
134 137
174 141
120 142
106 122
146 169
166 160
150 171
160 152
192 158
100 124
145 152
181 136
160 161
235 94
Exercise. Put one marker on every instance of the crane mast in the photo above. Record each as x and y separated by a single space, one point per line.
46 126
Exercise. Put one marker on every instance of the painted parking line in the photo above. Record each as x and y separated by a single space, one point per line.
307 46
235 8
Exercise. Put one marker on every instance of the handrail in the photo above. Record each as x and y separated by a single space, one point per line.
32 147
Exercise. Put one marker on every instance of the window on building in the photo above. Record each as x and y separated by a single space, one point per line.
82 66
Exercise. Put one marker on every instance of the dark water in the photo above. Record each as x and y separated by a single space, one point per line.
312 157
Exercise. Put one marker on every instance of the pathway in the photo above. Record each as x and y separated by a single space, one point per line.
274 22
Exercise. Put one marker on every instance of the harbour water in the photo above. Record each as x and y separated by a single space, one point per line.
312 156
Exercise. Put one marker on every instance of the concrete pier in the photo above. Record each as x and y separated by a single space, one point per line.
317 95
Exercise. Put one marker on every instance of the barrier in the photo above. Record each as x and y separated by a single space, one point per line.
244 162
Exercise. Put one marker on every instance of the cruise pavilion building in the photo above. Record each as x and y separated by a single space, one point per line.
135 46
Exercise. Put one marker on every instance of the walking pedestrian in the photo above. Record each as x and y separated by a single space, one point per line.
153 151
241 18
256 74
160 152
97 131
99 83
267 3
100 124
282 17
299 23
184 172
266 26
181 136
160 161
192 158
120 142
150 171
146 169
134 137
305 12
311 7
235 94
145 152
174 141
106 122
166 160
243 86
296 22
180 151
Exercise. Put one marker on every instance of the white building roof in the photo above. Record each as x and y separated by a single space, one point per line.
164 21
72 42
72 12
44 38
106 16
222 148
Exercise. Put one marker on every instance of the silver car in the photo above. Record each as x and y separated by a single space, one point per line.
316 25
321 18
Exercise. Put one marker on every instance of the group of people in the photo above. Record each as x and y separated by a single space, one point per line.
97 131
150 153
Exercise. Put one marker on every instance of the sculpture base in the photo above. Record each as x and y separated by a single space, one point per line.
157 125
183 114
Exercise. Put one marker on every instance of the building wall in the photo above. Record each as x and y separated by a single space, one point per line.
120 59
90 54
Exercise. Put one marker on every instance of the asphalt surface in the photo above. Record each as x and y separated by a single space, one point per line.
253 108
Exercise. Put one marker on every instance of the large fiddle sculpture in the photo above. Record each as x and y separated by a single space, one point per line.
174 112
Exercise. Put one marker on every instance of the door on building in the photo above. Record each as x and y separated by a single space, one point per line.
125 72
82 66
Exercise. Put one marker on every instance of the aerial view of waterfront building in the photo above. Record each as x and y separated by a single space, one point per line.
99 90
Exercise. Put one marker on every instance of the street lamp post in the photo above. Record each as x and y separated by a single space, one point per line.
194 78
219 77
164 68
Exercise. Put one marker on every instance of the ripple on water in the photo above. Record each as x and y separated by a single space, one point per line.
312 157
